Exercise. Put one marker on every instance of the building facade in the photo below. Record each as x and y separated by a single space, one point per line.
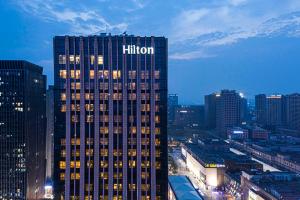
22 130
110 117
275 111
210 111
49 141
172 105
229 106
260 108
293 111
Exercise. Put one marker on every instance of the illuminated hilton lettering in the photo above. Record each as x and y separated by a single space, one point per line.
132 49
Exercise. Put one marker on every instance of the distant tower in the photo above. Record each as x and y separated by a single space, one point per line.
172 105
210 111
22 130
260 108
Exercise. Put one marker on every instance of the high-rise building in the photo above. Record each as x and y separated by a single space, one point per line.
274 111
172 105
210 111
260 108
110 117
229 107
22 130
270 110
49 142
293 111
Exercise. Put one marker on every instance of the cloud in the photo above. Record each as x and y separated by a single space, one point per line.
190 55
193 29
209 27
237 2
80 20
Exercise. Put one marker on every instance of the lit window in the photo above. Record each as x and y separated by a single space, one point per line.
75 176
131 163
157 131
75 74
104 130
145 163
104 74
145 152
157 142
92 59
131 152
77 141
63 96
89 107
62 176
100 60
72 59
133 130
63 108
132 186
117 96
157 119
62 59
116 74
62 165
92 74
89 118
102 107
63 73
77 59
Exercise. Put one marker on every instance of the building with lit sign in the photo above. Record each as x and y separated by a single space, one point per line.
22 130
207 168
237 133
110 117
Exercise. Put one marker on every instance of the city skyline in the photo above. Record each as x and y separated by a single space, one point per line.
259 44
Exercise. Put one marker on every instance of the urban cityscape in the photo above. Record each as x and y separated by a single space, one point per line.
108 115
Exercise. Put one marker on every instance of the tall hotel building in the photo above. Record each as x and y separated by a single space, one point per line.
22 130
110 131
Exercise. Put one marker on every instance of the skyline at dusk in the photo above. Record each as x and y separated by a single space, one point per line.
234 44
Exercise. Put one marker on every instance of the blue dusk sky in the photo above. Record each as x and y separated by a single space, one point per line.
252 46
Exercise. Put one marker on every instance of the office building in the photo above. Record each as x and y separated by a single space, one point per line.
110 117
22 130
274 111
293 111
172 105
271 110
229 106
260 108
210 111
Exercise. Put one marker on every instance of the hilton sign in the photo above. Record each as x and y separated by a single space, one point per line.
132 49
